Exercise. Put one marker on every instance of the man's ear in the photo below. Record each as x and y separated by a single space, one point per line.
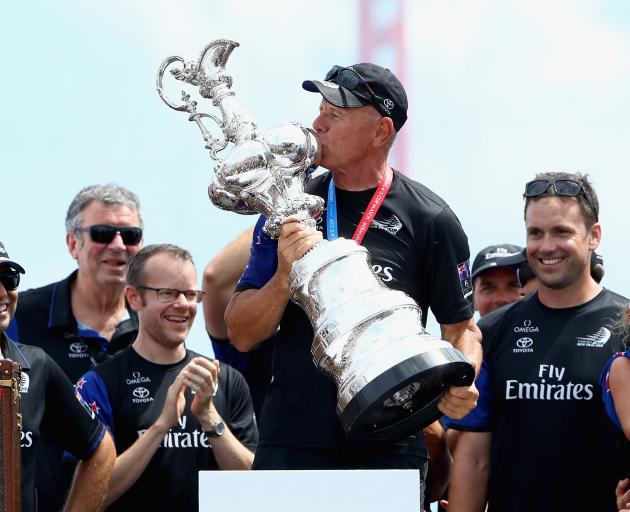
73 244
134 299
384 131
596 236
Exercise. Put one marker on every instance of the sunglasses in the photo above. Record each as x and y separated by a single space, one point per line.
350 79
561 187
168 295
10 281
105 233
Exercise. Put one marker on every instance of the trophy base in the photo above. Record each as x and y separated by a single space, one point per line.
403 400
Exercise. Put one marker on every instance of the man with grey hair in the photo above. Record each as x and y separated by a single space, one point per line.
83 319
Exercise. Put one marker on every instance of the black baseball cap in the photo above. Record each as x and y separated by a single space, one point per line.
364 84
4 260
498 256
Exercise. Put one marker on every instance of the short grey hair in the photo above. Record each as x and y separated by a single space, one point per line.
109 194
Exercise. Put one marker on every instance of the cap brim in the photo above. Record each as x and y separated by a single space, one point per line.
512 262
335 94
13 265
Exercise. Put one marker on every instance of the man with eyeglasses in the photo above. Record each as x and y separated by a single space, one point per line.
49 408
416 243
83 319
171 411
538 439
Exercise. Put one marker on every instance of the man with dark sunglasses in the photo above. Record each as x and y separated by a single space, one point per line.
538 439
84 319
171 411
416 243
49 408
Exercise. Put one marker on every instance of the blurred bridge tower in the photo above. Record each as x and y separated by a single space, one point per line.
382 41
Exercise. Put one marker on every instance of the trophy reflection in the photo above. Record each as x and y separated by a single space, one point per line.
389 372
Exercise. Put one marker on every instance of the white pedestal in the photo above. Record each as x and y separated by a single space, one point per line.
309 491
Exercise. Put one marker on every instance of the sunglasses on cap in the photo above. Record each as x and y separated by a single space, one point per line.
105 233
561 187
350 79
10 280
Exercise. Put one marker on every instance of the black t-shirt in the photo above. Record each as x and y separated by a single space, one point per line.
45 319
417 245
49 408
553 447
128 393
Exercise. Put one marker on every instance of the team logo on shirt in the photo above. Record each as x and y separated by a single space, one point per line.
24 382
392 224
179 437
78 349
554 383
596 340
523 344
385 273
141 395
463 270
137 378
526 327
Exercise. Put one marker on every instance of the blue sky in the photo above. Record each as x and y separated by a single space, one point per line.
498 90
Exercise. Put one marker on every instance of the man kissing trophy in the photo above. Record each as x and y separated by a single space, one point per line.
389 372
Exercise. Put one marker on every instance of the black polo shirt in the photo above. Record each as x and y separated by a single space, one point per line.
49 408
44 318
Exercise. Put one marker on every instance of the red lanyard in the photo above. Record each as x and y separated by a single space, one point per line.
368 215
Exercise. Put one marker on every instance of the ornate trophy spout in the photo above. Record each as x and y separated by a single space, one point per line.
264 171
390 373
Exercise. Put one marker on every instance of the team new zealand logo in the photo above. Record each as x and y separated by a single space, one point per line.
392 224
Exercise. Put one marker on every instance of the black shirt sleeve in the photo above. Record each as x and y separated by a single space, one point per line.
66 421
449 270
242 421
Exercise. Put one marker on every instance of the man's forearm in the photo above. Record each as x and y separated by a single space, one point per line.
219 281
230 453
470 473
254 315
91 478
466 337
132 462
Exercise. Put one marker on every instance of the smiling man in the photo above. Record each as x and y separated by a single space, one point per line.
83 319
416 244
171 411
538 439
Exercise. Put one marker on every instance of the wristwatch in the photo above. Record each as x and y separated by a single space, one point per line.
217 430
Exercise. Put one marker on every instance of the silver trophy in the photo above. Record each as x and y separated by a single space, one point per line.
390 373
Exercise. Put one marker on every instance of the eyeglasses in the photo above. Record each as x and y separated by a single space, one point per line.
350 79
105 233
561 187
10 280
168 295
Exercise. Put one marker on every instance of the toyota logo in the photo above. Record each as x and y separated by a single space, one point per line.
388 103
140 392
524 342
78 347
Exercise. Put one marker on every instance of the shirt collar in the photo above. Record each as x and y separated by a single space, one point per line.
11 351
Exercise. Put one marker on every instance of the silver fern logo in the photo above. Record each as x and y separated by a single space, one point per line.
392 224
597 340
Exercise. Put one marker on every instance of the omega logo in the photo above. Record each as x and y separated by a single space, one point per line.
140 392
78 347
527 327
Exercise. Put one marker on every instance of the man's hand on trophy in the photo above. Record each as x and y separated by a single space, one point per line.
458 401
295 241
